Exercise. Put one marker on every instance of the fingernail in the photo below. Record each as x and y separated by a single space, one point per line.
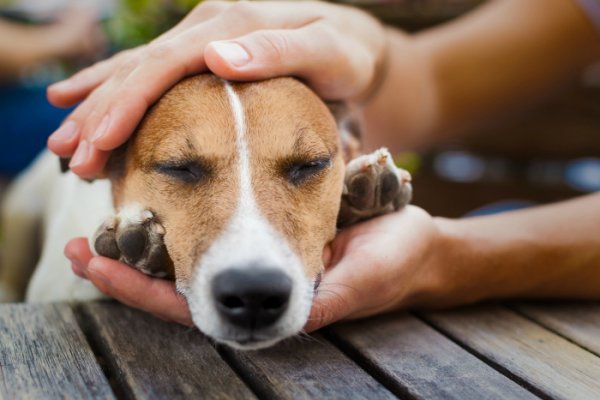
62 85
102 128
232 53
81 154
65 133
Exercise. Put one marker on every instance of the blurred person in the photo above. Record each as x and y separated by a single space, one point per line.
27 117
410 91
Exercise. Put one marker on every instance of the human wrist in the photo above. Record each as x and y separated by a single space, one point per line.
437 281
491 258
405 99
457 266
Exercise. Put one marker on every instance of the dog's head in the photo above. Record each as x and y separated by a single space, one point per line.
246 179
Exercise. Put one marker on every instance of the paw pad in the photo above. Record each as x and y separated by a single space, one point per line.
373 186
134 237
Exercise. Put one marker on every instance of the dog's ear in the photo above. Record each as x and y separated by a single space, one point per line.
113 170
348 127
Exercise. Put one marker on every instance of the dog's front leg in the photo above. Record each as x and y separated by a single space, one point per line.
373 186
135 237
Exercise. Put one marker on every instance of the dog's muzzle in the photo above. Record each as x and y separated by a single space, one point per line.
251 298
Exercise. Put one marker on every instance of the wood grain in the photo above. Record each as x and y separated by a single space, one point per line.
540 358
421 362
579 321
43 355
306 368
153 359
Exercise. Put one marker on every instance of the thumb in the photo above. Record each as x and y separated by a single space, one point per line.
79 253
334 68
337 298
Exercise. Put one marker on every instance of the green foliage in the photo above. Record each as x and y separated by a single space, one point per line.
409 161
138 21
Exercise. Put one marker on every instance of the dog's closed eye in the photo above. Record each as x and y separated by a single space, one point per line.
300 171
187 172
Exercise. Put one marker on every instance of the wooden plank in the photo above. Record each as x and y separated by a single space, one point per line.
542 359
153 359
579 322
421 362
305 368
43 355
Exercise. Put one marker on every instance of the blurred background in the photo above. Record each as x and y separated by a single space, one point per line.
547 154
42 41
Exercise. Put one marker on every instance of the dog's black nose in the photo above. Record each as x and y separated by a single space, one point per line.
252 298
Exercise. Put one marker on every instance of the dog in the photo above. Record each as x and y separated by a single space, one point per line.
231 189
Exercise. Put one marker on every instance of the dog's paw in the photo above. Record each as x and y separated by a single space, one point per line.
373 185
134 237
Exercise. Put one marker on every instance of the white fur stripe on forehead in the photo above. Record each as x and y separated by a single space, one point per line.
246 197
247 241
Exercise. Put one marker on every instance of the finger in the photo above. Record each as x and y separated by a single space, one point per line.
67 92
138 290
78 252
329 305
83 117
331 65
337 297
65 139
87 160
167 61
104 277
161 65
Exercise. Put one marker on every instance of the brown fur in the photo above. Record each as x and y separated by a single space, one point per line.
286 122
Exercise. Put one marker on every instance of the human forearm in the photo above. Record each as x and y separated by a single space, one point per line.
22 46
546 252
494 61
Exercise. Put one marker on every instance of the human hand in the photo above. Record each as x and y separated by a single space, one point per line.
386 263
335 49
158 297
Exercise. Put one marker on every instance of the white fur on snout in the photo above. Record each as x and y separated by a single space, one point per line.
134 214
248 241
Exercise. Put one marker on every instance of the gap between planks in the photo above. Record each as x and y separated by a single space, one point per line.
577 322
549 362
488 361
415 359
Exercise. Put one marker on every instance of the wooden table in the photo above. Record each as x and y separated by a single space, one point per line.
105 350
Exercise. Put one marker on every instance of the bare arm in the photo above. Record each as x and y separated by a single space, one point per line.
21 46
551 251
498 59
75 33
